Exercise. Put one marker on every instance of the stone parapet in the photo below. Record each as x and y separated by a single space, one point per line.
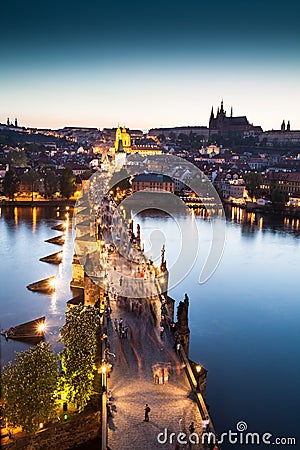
64 436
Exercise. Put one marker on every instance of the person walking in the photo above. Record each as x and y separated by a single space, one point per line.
205 425
192 427
147 411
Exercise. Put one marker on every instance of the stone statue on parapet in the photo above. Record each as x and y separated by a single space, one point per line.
182 314
163 264
138 237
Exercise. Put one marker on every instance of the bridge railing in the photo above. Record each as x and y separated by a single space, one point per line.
194 385
104 421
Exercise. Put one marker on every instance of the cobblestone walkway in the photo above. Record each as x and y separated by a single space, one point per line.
132 385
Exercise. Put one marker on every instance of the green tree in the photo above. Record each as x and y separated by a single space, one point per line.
18 158
278 199
50 183
67 183
183 137
10 183
30 179
28 388
161 138
79 336
253 182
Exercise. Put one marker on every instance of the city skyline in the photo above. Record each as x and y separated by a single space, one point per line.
97 65
113 124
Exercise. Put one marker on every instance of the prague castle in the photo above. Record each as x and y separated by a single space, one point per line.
228 126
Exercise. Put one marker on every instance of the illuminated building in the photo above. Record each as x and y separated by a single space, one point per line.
152 182
123 145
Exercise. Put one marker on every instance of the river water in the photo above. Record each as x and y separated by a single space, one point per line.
244 320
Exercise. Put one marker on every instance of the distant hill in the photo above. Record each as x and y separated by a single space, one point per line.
15 138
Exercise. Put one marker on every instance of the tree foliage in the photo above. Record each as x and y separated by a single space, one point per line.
10 183
278 198
18 158
79 336
67 183
50 183
253 181
28 387
30 179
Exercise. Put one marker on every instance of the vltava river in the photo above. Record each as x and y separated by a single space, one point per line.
23 232
244 320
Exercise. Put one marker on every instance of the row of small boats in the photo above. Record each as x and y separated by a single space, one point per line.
34 330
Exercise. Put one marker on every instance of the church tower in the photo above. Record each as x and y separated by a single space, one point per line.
120 147
288 127
125 138
122 137
118 137
222 113
212 118
283 126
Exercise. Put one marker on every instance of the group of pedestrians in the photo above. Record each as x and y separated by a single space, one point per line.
121 328
161 373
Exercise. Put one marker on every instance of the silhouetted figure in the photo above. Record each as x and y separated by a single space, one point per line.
147 411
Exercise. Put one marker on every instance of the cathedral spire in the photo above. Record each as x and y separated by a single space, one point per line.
231 112
222 110
283 126
288 127
212 117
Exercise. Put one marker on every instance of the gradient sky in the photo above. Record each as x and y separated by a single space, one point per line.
149 64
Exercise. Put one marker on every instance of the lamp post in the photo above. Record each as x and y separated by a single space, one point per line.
103 370
198 370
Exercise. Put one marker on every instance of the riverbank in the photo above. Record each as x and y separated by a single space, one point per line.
33 203
289 211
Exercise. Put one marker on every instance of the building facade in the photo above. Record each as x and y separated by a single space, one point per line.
284 136
287 183
152 182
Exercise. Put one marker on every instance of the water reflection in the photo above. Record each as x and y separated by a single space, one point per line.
16 216
34 216
253 221
53 307
23 231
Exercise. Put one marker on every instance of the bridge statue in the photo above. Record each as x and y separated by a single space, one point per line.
183 332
